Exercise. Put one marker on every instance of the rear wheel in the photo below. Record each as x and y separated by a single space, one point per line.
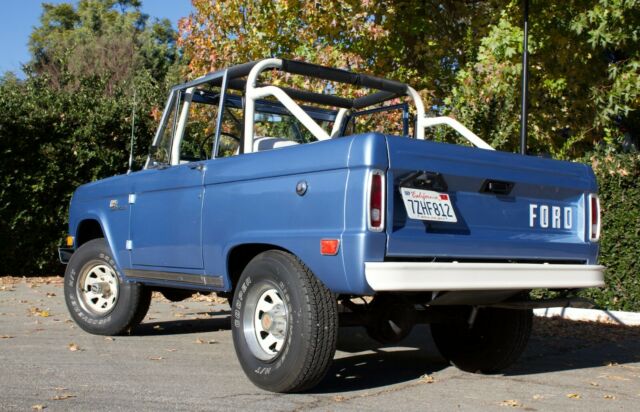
284 324
494 341
97 298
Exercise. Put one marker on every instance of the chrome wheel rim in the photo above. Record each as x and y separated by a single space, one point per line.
265 322
98 288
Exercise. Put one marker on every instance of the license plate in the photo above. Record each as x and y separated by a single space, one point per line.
428 205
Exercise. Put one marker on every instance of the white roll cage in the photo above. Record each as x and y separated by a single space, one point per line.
254 91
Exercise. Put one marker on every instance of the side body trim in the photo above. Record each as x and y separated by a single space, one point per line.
187 278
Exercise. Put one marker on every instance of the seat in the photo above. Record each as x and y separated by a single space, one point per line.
262 143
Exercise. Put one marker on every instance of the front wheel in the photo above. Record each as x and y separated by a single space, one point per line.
284 323
494 341
99 301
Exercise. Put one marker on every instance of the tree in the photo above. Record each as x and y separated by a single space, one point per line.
69 121
420 42
584 78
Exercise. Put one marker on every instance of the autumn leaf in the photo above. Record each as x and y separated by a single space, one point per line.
38 407
62 397
427 379
73 347
511 403
609 397
39 312
7 337
210 342
339 398
573 395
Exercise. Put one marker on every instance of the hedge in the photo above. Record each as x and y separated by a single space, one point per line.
619 178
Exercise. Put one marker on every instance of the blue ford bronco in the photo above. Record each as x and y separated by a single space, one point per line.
287 203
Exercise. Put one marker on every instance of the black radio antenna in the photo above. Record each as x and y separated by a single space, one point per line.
133 127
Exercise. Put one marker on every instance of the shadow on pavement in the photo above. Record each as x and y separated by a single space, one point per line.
559 345
362 363
220 320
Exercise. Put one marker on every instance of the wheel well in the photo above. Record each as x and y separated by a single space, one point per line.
88 230
241 255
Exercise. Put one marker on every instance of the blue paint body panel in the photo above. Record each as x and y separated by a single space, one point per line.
188 220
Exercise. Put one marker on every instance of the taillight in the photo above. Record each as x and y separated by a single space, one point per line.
376 201
594 218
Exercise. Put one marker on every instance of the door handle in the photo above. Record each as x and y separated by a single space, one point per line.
197 166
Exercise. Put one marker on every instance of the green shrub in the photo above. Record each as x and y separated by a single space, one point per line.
619 178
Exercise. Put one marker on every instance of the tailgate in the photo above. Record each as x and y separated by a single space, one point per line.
451 202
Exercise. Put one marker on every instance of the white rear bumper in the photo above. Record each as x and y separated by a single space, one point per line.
419 276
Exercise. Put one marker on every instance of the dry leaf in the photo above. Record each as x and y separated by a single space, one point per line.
594 384
73 347
510 402
6 337
38 407
156 358
339 398
63 397
610 397
39 312
573 395
50 294
427 379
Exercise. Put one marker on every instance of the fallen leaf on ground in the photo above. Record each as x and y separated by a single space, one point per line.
50 294
39 312
614 377
38 407
73 347
339 398
511 403
156 358
427 379
6 337
210 342
610 397
573 395
594 384
63 397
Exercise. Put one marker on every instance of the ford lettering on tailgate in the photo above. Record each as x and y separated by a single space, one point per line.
428 205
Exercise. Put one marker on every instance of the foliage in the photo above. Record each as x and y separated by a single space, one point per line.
67 124
584 77
618 176
395 39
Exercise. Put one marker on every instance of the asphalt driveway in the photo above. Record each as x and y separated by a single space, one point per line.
182 358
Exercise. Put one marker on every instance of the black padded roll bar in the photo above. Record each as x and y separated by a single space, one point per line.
343 76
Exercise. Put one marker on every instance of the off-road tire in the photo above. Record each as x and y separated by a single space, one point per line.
132 302
312 323
494 342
